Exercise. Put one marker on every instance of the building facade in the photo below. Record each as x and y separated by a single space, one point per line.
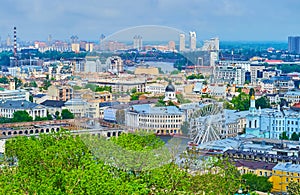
283 174
160 120
8 107
294 44
62 93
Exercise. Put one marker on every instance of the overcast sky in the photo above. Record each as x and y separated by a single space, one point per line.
228 19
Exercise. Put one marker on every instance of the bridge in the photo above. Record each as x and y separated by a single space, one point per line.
35 131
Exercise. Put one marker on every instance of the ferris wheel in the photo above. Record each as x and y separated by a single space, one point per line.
207 123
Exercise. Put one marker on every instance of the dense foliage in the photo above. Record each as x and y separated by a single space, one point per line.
241 102
258 183
66 114
294 188
64 164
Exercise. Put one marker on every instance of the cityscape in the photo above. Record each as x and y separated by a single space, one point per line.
179 107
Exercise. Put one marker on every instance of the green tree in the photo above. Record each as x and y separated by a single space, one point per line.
46 84
283 136
175 72
103 88
257 183
4 80
185 128
91 86
31 98
262 102
241 102
32 84
251 92
18 82
294 188
294 136
133 90
66 114
21 116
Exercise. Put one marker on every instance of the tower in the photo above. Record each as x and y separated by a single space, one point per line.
193 40
170 93
15 42
138 42
181 42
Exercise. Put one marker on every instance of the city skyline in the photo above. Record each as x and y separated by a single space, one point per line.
230 20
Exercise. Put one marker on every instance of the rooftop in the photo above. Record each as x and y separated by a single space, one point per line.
255 164
19 104
287 167
53 103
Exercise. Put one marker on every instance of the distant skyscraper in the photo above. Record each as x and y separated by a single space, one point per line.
171 45
8 41
193 40
181 42
138 42
294 44
49 39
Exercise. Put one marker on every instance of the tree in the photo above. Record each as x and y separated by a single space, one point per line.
283 136
185 128
30 98
18 82
133 90
32 84
4 80
259 183
103 88
127 164
251 92
21 116
293 188
294 136
241 102
262 102
46 84
66 114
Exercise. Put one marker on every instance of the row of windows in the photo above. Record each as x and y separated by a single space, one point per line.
159 121
158 126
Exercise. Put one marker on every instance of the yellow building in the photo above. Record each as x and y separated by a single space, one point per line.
258 168
283 174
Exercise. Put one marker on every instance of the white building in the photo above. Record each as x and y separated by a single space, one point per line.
155 88
160 120
193 40
292 96
114 64
138 42
181 42
19 94
170 93
8 107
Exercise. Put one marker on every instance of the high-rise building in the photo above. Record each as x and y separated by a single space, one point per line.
294 44
138 42
193 40
181 42
171 45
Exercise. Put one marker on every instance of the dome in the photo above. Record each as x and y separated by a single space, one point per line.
170 88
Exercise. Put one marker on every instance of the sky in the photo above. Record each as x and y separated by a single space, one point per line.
230 20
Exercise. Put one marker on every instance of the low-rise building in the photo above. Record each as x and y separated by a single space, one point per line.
160 120
14 95
53 106
258 168
8 107
77 106
283 174
63 93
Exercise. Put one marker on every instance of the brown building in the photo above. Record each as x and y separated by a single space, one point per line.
62 93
